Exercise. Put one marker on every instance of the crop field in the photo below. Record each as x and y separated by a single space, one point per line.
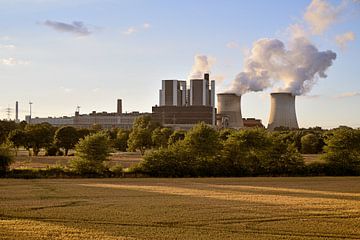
194 208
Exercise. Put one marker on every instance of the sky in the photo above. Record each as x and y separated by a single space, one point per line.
60 54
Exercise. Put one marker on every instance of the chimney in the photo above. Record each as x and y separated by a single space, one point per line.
282 113
17 111
229 111
119 106
206 76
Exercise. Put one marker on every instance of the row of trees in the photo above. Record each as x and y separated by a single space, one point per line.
202 151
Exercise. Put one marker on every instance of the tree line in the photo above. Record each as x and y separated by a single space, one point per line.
201 151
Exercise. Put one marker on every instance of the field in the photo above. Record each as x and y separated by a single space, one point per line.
201 208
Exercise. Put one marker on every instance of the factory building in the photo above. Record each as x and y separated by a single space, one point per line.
180 107
104 119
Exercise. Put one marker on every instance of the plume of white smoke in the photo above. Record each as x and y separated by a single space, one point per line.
343 39
202 64
295 68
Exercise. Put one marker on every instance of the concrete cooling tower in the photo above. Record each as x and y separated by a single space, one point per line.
282 111
229 111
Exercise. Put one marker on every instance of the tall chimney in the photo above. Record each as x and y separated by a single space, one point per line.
119 106
17 111
207 76
282 113
229 111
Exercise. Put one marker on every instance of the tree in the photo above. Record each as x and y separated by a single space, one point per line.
140 135
18 138
39 136
5 128
66 137
122 137
160 137
83 132
244 152
177 135
310 143
342 152
91 152
6 158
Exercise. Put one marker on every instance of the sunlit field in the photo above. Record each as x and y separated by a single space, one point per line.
203 208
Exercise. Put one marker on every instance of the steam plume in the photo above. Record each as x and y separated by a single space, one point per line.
295 69
202 64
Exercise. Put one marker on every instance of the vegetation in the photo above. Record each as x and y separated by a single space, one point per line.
66 138
200 208
91 152
140 136
6 158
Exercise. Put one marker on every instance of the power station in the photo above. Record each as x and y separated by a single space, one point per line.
182 104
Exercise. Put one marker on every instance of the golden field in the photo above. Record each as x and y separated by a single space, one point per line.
200 208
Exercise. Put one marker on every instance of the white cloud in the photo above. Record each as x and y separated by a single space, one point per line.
320 15
232 45
7 46
5 38
76 27
348 94
12 62
67 90
130 30
146 25
343 39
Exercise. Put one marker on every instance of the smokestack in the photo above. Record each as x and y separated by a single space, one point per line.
207 76
119 106
229 110
17 111
283 112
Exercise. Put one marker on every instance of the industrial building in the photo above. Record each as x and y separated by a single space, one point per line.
180 107
282 113
106 120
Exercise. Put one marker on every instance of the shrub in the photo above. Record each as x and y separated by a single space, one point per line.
117 170
91 153
6 158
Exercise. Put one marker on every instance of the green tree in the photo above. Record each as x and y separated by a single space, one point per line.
140 135
5 128
310 143
177 135
66 137
122 137
83 132
342 152
39 136
160 137
6 158
244 152
91 152
18 138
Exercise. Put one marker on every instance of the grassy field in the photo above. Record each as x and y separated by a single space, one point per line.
23 160
202 208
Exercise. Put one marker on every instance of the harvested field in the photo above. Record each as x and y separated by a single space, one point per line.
23 160
201 208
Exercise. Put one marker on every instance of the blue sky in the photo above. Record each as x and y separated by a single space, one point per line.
131 45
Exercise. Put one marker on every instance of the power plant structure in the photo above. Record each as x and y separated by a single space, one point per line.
282 113
229 111
180 107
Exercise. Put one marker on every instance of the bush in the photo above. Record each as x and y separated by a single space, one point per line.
117 170
51 151
6 158
91 153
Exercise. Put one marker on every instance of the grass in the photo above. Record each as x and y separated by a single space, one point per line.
202 208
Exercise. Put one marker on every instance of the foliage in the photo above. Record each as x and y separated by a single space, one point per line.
121 140
5 128
311 143
39 136
117 170
91 152
140 136
18 138
177 135
160 137
6 158
342 152
66 138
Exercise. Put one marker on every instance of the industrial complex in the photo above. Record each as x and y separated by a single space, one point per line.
182 104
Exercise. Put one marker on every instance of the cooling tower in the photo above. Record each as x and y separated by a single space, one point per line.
229 111
282 111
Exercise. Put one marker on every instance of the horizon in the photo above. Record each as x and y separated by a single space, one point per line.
64 54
